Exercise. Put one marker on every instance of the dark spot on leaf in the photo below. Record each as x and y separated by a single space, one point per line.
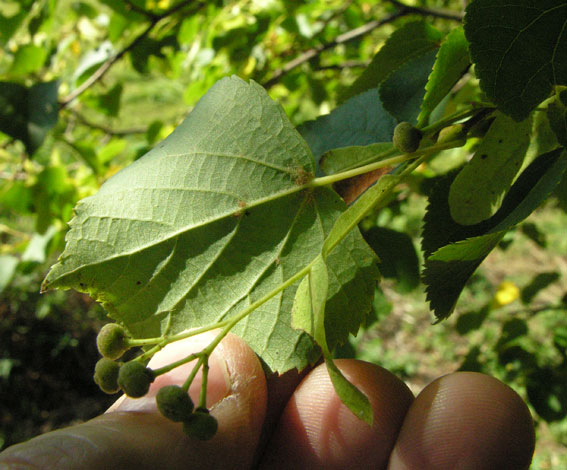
138 283
483 156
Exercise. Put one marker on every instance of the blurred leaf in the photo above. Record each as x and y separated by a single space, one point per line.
397 255
28 60
359 121
515 354
403 91
16 196
91 61
107 103
471 321
36 251
12 15
511 331
8 265
480 187
547 393
408 42
451 63
532 231
27 114
537 284
519 49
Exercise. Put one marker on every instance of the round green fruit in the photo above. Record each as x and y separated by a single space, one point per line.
106 375
112 341
134 379
407 137
201 425
174 403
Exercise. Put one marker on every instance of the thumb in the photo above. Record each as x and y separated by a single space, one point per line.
132 434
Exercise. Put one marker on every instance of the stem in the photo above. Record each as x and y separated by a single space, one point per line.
203 394
173 365
192 375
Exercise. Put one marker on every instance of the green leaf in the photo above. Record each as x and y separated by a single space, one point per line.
410 41
449 268
403 92
308 314
479 188
346 158
28 60
8 266
557 115
361 120
519 48
27 114
351 396
213 219
453 251
91 61
397 256
451 63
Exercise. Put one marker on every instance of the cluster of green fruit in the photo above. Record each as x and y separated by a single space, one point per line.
134 379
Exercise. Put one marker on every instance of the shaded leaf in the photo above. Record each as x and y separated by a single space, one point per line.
408 42
479 188
27 114
402 93
212 219
361 120
519 48
453 251
449 268
397 256
537 284
346 158
557 115
451 63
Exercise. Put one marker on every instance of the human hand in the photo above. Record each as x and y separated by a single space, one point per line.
462 420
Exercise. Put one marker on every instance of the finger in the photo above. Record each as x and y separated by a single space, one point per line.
465 420
317 430
134 435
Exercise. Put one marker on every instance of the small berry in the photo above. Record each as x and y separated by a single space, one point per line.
201 425
134 379
112 341
407 137
106 375
174 403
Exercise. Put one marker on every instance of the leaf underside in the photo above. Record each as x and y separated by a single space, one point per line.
209 221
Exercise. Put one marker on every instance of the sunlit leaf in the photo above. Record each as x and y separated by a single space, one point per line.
212 219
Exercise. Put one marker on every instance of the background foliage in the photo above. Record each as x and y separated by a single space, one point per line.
87 87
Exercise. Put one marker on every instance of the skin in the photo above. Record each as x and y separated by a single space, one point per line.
460 421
